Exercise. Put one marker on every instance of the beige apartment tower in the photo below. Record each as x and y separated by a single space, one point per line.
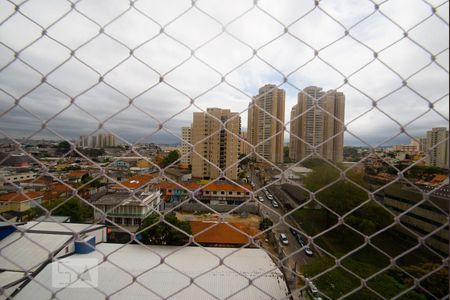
437 147
266 123
317 120
244 147
215 136
186 150
293 140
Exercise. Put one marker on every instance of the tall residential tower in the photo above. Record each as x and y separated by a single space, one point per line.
215 135
266 123
317 120
437 147
186 152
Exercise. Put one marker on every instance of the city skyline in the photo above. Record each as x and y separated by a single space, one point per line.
163 104
227 149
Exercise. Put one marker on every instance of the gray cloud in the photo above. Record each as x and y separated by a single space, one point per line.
189 76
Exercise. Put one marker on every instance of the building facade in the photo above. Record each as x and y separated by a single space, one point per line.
215 135
186 152
437 147
293 133
101 140
122 209
244 147
317 121
266 123
217 193
422 219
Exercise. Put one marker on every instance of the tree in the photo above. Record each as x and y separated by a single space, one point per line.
343 195
87 178
72 208
265 223
170 158
162 233
437 283
93 152
286 157
63 147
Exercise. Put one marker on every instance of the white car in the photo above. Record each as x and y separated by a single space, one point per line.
313 289
261 199
283 238
308 251
275 204
269 196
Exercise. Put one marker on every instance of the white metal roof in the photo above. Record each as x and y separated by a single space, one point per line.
55 227
164 279
7 278
27 252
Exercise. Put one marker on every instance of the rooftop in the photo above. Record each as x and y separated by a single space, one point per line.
57 219
19 197
221 233
216 186
134 182
166 281
28 252
123 198
58 228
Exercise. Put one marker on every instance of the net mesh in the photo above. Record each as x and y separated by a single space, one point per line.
94 45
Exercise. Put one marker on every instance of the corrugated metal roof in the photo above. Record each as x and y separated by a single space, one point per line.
8 278
57 219
28 251
164 280
54 227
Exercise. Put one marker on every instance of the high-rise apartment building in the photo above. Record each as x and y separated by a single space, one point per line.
215 135
293 140
186 152
317 120
244 147
99 141
265 128
437 147
111 140
83 142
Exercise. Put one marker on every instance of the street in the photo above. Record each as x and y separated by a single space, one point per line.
296 256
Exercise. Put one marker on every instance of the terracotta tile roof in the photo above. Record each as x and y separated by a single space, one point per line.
19 197
135 182
77 173
192 186
59 187
221 233
439 178
227 187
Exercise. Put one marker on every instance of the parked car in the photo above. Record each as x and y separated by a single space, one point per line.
312 289
261 199
308 251
275 204
293 231
269 196
283 238
300 240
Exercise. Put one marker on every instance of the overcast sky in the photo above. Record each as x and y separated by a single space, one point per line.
145 55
